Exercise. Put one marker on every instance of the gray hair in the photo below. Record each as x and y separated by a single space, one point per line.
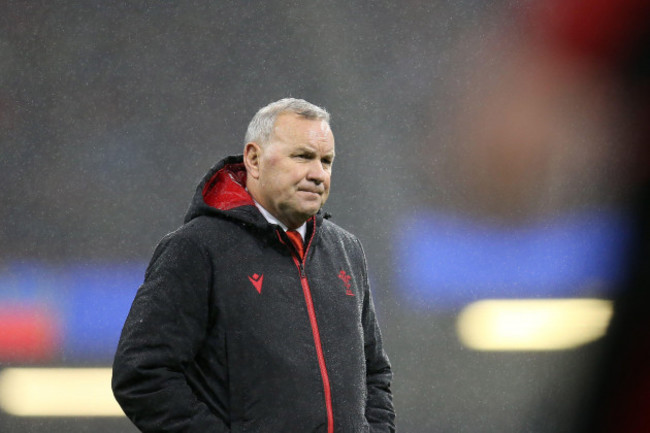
261 126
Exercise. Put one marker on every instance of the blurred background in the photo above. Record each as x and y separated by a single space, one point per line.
491 156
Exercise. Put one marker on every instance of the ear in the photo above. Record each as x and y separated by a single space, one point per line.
252 155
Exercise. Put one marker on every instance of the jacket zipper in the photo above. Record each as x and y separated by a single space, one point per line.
319 348
316 333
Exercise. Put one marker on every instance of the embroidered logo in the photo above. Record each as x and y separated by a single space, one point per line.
257 282
346 282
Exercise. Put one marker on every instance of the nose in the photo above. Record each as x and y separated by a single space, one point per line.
317 172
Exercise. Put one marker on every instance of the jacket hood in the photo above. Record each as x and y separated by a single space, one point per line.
223 189
222 192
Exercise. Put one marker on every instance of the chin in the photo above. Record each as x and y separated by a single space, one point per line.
308 213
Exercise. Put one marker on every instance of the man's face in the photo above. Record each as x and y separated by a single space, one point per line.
295 168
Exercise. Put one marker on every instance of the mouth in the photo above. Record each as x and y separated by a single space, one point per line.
311 191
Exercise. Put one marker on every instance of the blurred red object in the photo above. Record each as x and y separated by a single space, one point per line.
28 334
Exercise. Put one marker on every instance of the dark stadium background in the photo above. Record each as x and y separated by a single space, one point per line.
485 150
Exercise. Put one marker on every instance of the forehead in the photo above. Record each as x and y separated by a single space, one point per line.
297 130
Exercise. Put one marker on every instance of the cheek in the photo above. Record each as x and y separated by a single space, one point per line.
327 189
275 174
285 181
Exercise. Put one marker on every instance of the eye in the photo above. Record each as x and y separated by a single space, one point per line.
303 156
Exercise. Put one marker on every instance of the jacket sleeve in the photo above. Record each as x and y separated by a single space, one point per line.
380 413
162 334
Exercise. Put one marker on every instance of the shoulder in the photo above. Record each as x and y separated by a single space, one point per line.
190 239
332 232
332 229
205 229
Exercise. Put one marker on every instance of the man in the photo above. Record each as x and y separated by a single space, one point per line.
256 314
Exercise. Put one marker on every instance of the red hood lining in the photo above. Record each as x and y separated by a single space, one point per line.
227 188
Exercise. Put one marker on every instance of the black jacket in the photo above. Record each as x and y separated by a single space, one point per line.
230 332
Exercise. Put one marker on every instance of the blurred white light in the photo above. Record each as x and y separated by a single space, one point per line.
58 392
533 324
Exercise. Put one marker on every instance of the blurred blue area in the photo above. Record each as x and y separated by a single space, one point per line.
89 301
445 261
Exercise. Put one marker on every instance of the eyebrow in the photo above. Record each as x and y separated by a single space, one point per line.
310 149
